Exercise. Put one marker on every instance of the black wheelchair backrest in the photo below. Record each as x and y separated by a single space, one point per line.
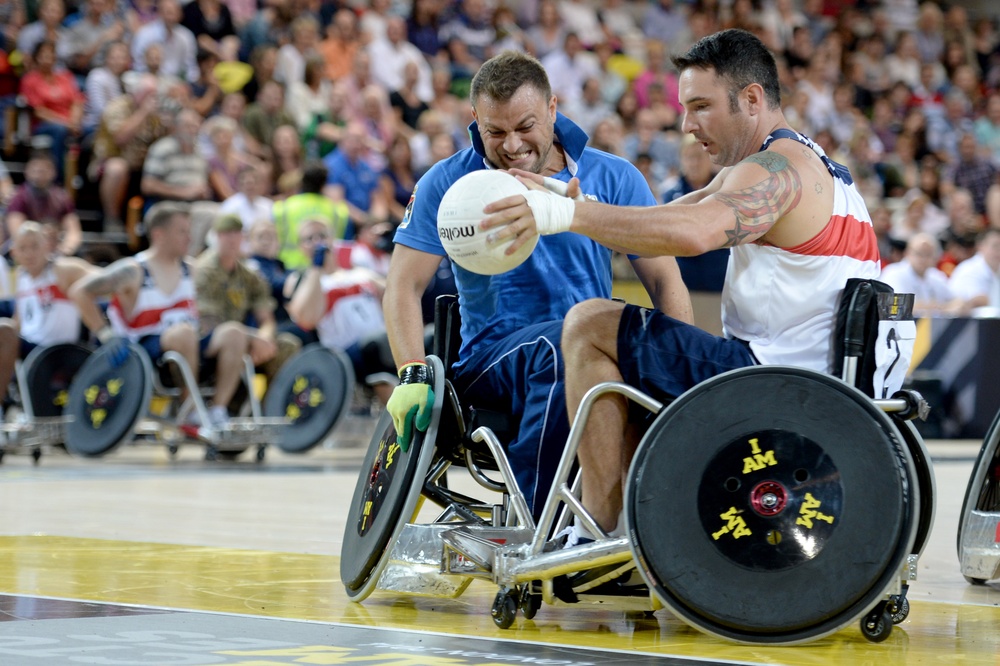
866 316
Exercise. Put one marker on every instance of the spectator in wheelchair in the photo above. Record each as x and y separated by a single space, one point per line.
510 358
43 313
40 199
917 274
797 229
344 306
229 291
153 303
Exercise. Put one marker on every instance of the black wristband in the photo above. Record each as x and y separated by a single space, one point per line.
415 373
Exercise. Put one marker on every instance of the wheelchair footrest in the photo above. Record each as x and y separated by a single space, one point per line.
415 564
472 549
980 546
37 432
244 431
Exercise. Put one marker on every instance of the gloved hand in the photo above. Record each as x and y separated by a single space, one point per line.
319 255
411 402
117 346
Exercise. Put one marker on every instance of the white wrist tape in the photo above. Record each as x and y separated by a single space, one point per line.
559 187
105 334
553 213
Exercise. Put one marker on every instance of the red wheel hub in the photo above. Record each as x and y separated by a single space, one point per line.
768 498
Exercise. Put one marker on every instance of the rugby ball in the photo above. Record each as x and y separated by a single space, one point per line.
458 219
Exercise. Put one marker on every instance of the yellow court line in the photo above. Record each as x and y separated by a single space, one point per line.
306 587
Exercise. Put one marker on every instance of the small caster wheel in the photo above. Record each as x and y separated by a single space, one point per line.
260 453
877 625
36 455
172 450
530 602
504 608
211 453
1 455
975 581
898 607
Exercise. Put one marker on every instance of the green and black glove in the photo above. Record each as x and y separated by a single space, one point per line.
411 402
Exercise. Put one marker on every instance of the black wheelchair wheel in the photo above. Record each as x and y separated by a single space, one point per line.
924 481
313 390
386 496
771 505
106 401
49 372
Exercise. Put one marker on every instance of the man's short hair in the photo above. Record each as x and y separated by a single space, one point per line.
503 75
739 58
162 213
43 154
314 176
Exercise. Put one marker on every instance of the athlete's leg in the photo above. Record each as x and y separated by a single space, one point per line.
590 351
8 355
183 339
523 375
228 344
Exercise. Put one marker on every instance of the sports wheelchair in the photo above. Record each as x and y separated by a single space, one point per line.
801 511
979 525
39 397
113 404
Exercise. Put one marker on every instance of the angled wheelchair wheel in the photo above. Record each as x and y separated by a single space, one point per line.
313 390
386 496
106 401
925 481
771 505
49 372
978 524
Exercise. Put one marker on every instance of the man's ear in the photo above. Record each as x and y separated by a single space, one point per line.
754 94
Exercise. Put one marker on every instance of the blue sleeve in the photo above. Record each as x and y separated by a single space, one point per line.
418 228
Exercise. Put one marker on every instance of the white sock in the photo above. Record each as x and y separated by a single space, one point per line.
218 414
581 532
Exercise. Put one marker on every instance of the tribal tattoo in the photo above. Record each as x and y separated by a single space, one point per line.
113 278
758 207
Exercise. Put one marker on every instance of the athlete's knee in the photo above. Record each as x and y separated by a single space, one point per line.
7 329
181 338
231 335
592 323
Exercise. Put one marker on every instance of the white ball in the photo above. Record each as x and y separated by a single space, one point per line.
458 219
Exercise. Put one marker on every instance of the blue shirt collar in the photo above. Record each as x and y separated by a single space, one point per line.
568 134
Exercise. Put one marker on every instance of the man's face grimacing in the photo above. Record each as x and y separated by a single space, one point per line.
518 133
722 132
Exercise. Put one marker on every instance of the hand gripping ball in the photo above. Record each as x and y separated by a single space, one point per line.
458 219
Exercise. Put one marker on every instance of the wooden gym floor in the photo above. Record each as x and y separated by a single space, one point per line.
138 559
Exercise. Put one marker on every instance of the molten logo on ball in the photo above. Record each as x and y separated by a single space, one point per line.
459 214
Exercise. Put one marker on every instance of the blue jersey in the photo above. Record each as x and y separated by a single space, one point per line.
563 270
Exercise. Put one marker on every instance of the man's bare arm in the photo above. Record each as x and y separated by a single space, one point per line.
758 207
115 277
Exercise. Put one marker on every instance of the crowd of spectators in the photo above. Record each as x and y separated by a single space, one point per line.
242 105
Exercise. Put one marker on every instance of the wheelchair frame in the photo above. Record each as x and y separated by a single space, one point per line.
238 435
502 544
30 433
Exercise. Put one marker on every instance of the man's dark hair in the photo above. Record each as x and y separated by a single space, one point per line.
503 75
739 58
314 176
162 213
43 154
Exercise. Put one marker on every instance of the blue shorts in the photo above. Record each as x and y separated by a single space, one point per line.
522 375
151 343
664 357
25 348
